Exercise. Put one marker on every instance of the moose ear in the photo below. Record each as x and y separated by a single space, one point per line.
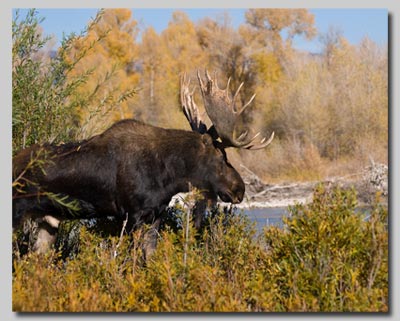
207 140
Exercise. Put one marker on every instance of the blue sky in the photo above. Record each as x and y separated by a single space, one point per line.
354 23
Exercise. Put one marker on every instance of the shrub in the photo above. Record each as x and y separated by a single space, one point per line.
329 256
42 109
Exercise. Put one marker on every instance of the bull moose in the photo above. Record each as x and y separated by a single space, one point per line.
134 169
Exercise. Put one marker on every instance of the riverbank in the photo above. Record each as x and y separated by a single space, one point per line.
367 183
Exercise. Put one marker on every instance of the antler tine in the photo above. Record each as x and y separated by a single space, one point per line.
208 75
247 104
242 135
215 79
182 79
185 97
202 87
227 87
190 108
235 96
260 145
250 143
185 93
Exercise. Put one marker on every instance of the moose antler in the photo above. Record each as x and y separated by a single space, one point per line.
190 108
223 113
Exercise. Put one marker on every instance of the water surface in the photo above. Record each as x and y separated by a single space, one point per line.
266 216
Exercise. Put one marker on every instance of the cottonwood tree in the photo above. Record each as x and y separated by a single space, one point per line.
103 98
164 57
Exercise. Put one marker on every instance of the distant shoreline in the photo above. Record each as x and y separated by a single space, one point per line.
259 195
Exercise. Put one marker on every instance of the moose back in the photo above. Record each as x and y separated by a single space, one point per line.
131 169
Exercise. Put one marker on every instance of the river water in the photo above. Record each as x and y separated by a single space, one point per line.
266 216
273 215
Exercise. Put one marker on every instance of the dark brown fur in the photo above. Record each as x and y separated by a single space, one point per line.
132 168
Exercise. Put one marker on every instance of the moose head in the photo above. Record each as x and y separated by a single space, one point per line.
224 111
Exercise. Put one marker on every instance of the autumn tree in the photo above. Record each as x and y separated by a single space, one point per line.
336 103
360 101
152 56
164 57
270 25
331 41
103 99
228 52
255 53
271 33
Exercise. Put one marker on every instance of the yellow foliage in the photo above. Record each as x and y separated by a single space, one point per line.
267 66
111 51
326 258
164 58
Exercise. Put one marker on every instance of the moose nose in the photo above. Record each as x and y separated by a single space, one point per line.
237 199
237 196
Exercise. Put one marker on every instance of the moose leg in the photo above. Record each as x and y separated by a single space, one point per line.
150 239
137 220
47 235
199 211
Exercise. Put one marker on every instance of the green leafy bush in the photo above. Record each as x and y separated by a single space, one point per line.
41 106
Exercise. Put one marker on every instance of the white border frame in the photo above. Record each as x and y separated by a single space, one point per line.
5 158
